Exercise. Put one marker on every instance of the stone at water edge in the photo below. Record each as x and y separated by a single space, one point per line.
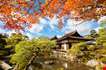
92 63
5 66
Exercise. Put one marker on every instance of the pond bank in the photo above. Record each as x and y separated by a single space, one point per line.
58 64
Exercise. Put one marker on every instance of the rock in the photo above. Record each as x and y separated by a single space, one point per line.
48 62
5 66
92 63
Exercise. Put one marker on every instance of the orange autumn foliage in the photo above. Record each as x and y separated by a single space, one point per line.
16 13
76 9
80 8
66 6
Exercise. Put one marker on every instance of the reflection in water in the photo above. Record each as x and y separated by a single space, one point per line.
58 65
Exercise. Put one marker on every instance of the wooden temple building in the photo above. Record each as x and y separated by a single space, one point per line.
69 39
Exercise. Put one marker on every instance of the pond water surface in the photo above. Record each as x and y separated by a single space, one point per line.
58 65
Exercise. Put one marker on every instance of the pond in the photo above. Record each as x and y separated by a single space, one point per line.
57 64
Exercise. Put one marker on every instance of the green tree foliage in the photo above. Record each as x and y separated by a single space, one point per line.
28 51
103 23
14 39
23 50
3 50
102 37
2 40
93 35
7 45
101 42
85 52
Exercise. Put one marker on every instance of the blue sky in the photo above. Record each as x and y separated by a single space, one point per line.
49 27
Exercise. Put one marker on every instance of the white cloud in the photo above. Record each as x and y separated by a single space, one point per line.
58 36
71 25
39 26
2 31
82 27
9 32
86 27
53 22
102 19
44 22
36 28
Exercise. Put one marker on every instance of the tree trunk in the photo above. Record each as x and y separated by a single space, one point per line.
30 61
16 67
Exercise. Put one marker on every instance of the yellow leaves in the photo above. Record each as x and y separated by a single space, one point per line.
101 11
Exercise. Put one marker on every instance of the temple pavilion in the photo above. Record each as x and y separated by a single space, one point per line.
69 39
